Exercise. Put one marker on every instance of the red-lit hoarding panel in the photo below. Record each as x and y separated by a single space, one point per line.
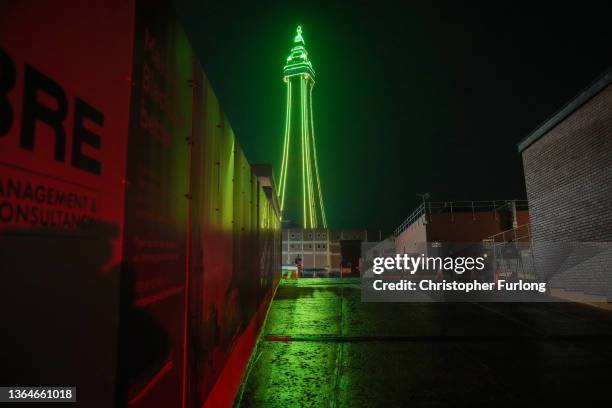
64 100
156 212
139 252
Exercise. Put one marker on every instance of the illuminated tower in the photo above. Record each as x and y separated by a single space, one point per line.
299 184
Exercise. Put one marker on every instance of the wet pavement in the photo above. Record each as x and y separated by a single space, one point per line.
321 346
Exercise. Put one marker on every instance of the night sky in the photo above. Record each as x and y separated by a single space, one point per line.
423 98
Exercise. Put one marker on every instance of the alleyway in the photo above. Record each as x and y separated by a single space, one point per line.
322 347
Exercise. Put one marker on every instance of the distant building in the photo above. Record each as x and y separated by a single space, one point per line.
568 169
266 178
458 221
320 250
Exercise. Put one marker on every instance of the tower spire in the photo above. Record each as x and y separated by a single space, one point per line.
298 38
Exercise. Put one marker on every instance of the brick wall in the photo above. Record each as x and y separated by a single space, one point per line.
568 174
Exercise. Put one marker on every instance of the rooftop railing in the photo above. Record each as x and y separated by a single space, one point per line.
522 233
435 207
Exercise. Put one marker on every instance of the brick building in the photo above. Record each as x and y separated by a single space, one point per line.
568 169
458 221
568 174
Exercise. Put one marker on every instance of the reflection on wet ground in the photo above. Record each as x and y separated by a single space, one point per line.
321 346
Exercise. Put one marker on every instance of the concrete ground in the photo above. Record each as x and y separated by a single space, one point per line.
321 346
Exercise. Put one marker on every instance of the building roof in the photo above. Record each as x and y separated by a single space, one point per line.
266 177
583 97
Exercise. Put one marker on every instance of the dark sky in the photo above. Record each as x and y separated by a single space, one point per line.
409 98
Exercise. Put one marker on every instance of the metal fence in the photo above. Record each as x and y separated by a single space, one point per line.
426 209
512 253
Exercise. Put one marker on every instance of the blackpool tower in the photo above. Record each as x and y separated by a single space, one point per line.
300 192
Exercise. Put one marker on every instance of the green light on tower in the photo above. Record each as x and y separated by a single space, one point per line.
299 142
